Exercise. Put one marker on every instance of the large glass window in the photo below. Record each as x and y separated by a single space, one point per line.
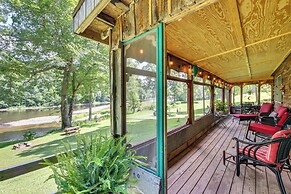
177 108
250 94
226 95
201 101
217 94
266 93
235 96
140 59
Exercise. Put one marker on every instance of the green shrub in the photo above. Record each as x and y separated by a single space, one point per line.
29 135
98 165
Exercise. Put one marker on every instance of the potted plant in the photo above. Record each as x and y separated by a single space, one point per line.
99 164
220 107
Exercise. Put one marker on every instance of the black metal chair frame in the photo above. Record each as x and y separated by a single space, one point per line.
282 159
262 135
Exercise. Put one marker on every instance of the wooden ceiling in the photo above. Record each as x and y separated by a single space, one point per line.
239 41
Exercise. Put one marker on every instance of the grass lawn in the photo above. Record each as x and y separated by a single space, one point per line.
140 126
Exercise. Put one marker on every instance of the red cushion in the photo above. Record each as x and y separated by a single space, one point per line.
266 107
283 119
261 153
273 148
281 111
245 115
266 129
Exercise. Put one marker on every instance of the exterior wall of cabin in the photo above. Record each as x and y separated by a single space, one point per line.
285 88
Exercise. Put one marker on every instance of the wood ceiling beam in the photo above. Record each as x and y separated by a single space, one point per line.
238 21
121 5
106 19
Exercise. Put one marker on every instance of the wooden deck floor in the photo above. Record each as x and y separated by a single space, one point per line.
201 169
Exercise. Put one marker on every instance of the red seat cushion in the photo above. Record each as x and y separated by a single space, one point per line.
281 111
245 115
266 107
283 119
273 148
266 129
261 153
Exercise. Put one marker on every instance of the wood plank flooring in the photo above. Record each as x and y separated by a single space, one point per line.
201 170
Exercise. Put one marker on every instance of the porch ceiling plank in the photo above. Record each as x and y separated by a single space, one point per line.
207 32
91 34
267 56
120 5
85 16
112 11
225 65
264 19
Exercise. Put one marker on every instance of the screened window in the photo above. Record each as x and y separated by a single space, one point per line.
235 94
226 95
202 97
250 94
277 89
140 59
177 108
217 94
266 93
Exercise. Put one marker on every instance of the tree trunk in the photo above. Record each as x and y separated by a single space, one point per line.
73 99
66 122
90 104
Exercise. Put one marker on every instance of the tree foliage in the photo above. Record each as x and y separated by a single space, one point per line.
41 58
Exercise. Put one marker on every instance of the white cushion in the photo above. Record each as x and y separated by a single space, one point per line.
273 114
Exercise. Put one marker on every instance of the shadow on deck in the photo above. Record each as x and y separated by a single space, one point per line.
200 168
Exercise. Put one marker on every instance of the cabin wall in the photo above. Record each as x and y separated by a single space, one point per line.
285 72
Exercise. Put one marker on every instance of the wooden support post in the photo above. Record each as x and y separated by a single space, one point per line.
241 97
259 93
212 98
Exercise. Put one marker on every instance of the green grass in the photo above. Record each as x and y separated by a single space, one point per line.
141 127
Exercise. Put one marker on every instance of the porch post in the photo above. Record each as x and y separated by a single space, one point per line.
161 108
259 94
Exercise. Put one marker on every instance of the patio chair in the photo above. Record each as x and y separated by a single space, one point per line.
265 110
274 117
273 154
266 131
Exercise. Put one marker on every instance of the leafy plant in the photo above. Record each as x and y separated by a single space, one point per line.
29 135
98 165
220 106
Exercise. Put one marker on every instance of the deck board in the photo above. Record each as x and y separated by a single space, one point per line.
201 170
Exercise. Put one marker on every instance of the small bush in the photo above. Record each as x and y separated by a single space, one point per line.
29 135
98 165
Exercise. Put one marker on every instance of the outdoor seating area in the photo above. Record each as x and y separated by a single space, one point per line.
200 169
181 74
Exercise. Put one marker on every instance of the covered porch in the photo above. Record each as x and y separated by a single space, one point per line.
171 61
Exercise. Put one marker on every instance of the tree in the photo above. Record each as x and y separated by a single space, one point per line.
39 40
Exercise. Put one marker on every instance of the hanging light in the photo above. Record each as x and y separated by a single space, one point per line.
141 51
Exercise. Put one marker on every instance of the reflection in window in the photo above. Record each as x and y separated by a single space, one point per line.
235 93
266 93
201 100
226 95
177 109
250 94
140 58
178 74
198 79
217 94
